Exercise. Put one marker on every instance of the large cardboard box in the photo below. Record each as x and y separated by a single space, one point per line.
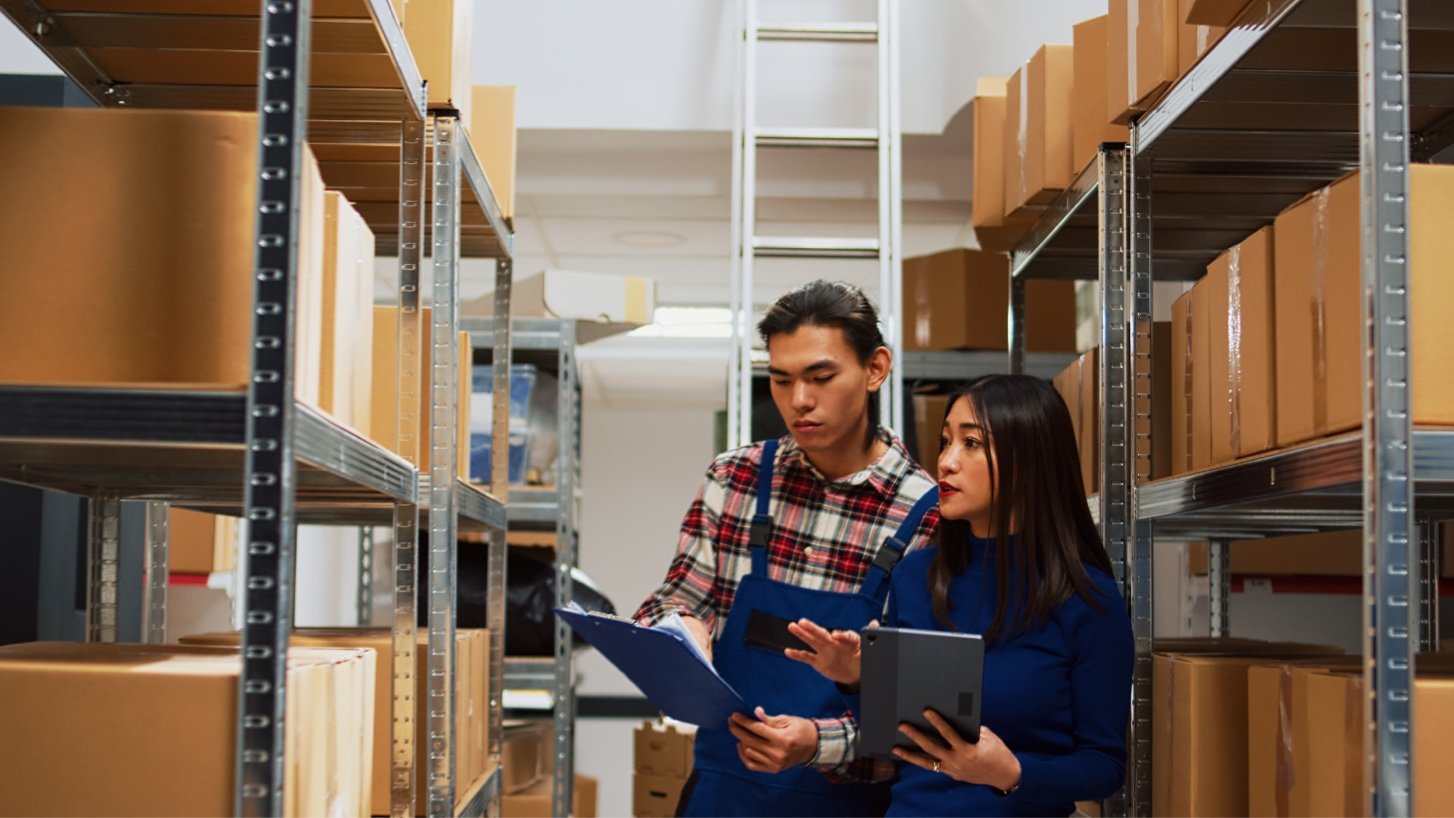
200 543
1319 354
439 34
1161 401
471 683
1142 45
71 750
492 132
1092 125
1200 375
384 412
1238 286
1194 39
959 299
663 750
1038 162
1181 380
993 229
346 374
148 284
655 796
1272 722
536 801
929 411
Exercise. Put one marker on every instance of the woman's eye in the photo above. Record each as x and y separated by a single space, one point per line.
943 443
971 443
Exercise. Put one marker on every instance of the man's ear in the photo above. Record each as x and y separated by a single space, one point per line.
878 366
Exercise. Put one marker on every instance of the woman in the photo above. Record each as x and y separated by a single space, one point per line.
1018 560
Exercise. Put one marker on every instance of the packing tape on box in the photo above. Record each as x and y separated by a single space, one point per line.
1286 773
1319 308
1133 22
1353 801
1234 345
1189 366
1024 135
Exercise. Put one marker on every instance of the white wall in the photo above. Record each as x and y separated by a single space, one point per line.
640 468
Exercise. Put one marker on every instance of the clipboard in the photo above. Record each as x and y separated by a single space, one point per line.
663 665
905 671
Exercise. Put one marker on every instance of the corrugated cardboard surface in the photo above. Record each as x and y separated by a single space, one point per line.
1272 721
655 796
1200 394
1213 12
384 413
525 755
663 750
170 751
993 229
1142 41
200 543
535 802
492 132
151 281
1241 349
1161 402
1091 125
1194 39
1090 420
439 34
1038 129
929 413
959 299
1181 362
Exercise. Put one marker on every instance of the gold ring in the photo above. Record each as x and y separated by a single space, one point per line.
936 765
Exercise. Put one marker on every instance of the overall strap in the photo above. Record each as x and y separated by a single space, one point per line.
876 584
761 522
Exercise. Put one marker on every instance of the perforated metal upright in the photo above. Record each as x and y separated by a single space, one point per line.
269 492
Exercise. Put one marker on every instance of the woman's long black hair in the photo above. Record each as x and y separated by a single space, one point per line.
1039 494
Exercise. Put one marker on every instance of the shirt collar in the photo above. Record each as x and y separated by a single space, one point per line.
884 474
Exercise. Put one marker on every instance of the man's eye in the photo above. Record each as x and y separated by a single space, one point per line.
823 379
781 382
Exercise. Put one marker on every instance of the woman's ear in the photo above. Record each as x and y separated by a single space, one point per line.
878 367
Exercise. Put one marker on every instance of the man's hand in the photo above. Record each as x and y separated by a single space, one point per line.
771 744
698 629
834 654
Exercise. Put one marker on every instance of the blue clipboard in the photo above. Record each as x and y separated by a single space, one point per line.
662 666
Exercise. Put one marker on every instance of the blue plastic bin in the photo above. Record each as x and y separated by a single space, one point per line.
522 384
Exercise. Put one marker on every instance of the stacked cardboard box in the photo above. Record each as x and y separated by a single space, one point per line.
1323 554
171 750
346 378
1079 386
1091 126
1037 158
993 229
1151 44
526 754
158 291
959 299
663 762
383 415
492 132
471 715
439 34
200 543
536 801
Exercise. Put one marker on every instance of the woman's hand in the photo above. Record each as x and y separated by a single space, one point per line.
988 762
835 654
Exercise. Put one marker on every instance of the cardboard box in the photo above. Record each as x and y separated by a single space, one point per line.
439 35
536 801
655 796
1038 161
1181 380
383 413
171 749
1090 420
346 373
471 725
1091 123
993 229
1272 721
525 754
959 299
1213 12
200 543
1161 403
1199 726
492 132
1319 374
159 289
1200 393
663 750
929 411
1194 39
1239 289
1142 45
610 300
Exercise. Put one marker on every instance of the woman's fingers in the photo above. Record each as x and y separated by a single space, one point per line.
938 722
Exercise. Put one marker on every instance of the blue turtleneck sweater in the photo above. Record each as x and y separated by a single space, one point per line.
1058 696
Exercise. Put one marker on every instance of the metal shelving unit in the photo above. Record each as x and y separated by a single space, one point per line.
1296 94
551 345
259 454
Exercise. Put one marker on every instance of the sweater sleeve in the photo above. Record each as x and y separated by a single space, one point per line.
1100 690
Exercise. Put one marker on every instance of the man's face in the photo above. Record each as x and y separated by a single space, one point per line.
821 389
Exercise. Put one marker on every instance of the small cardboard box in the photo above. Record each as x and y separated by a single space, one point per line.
1239 289
1092 125
1038 129
1142 45
993 229
525 754
959 299
492 132
663 750
439 34
655 796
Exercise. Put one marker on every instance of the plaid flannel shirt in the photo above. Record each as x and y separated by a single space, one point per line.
824 536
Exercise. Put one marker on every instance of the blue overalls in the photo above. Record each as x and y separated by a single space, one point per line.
749 656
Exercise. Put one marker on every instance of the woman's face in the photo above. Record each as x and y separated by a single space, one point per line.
964 470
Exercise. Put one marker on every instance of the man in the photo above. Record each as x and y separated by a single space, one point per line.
807 526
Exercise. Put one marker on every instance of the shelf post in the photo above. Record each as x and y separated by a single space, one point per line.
154 603
1219 582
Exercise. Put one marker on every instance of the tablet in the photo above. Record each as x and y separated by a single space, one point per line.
906 671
